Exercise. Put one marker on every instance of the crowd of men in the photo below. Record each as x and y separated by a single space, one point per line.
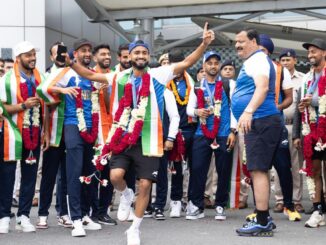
94 132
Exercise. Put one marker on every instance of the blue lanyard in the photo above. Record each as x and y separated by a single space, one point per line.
30 83
210 94
135 94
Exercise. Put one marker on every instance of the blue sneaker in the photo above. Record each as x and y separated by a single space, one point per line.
252 217
252 228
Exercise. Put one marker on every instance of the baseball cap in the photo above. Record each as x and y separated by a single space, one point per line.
163 57
137 44
228 63
24 47
210 54
266 42
288 53
81 42
317 42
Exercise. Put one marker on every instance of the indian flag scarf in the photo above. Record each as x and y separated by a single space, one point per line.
13 124
57 112
105 120
152 132
235 178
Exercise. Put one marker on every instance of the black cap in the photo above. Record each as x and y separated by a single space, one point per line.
228 63
176 55
288 53
317 42
82 42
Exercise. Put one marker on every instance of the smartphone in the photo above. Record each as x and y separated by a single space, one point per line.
61 50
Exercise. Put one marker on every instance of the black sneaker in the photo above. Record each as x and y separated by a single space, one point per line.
106 220
158 214
148 213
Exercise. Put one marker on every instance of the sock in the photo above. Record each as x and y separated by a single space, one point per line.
262 217
126 193
318 207
136 222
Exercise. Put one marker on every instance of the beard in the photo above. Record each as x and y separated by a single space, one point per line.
125 65
212 73
139 67
104 66
28 66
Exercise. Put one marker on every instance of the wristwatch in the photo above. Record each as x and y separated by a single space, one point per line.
23 106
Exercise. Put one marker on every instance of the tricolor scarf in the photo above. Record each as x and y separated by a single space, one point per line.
105 118
190 86
57 114
152 133
13 124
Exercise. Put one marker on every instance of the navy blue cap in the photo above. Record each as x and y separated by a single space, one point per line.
210 54
137 44
288 53
228 63
266 42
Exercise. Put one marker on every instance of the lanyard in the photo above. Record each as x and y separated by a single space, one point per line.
135 93
210 94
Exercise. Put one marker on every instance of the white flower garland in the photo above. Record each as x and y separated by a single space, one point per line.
80 111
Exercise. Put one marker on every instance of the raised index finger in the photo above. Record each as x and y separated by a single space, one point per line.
206 26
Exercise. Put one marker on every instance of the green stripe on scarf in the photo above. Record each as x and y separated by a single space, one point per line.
61 112
146 132
7 86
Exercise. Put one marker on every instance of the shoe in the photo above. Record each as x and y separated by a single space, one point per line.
131 215
12 215
158 214
251 217
278 208
35 202
293 215
252 228
14 203
24 224
315 220
89 224
220 213
125 206
42 223
65 221
78 230
208 203
106 220
193 212
4 225
299 208
175 207
242 205
148 213
133 236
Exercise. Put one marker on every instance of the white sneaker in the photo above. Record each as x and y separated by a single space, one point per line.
131 215
65 221
23 223
125 206
220 213
133 236
42 224
4 225
193 212
78 230
175 209
316 219
89 224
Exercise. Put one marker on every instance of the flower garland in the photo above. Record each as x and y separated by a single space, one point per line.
92 136
177 96
177 154
211 134
31 125
314 134
125 132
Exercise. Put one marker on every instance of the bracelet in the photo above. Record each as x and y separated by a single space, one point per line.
23 106
234 131
170 139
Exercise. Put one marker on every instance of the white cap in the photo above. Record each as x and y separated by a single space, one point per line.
23 47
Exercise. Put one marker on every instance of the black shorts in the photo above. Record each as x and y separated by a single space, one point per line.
319 155
262 142
145 167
